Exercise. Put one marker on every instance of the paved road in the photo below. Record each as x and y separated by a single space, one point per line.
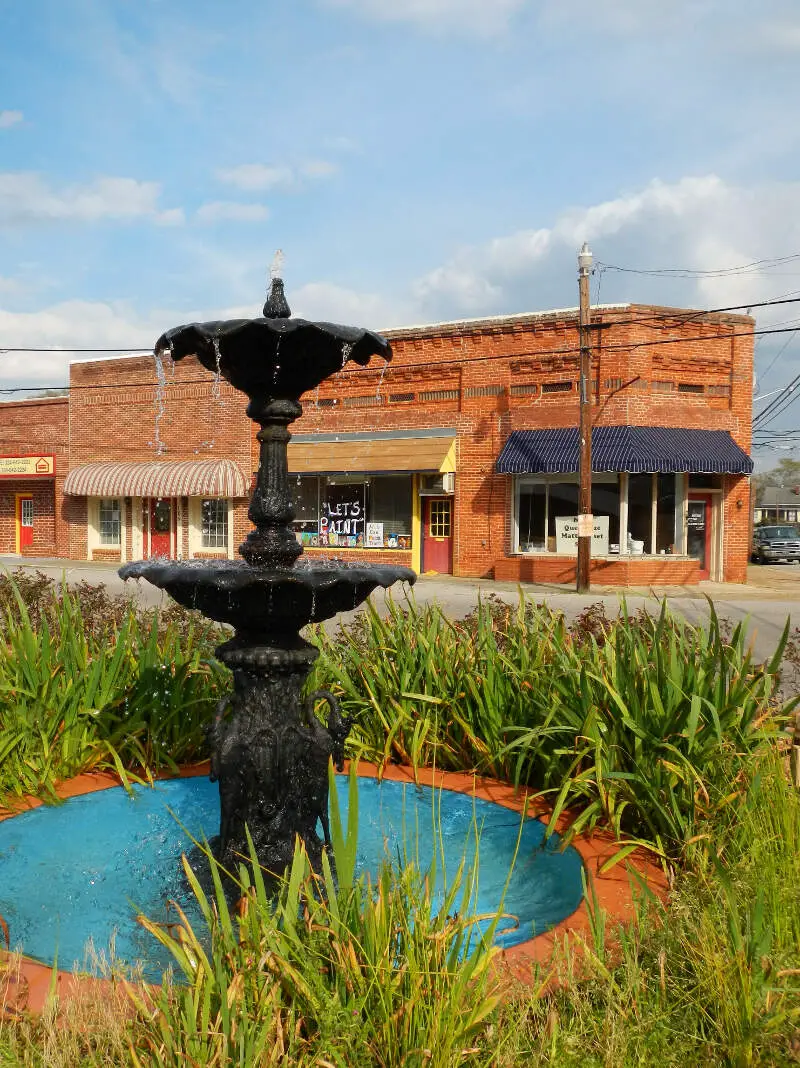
771 595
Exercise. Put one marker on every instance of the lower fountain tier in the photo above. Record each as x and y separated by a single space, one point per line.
269 604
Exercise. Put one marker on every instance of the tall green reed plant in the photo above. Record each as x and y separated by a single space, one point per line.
638 722
130 696
334 970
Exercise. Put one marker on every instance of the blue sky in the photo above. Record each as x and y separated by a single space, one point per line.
416 160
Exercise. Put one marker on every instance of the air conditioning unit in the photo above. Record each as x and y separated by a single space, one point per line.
449 481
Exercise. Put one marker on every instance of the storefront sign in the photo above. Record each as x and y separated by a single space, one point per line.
27 466
342 518
567 535
374 538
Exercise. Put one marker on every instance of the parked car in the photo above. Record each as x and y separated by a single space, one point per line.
771 544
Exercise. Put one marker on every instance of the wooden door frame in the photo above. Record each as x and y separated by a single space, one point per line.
708 497
425 525
18 499
147 538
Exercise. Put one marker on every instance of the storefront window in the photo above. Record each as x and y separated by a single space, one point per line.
374 511
109 523
665 513
640 513
651 500
563 501
531 518
306 504
214 524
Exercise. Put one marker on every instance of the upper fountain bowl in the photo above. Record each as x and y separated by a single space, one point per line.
275 356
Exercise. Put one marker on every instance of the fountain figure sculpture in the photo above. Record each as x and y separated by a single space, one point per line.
270 753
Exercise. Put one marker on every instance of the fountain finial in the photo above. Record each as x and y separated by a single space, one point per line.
277 306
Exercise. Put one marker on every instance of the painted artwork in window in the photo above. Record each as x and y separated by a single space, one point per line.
336 511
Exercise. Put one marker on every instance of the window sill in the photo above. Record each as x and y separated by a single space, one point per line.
627 557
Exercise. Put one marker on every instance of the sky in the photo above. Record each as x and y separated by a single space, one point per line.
415 160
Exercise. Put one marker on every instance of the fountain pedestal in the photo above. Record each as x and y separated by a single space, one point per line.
269 751
270 755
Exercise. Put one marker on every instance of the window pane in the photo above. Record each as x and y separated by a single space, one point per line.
530 518
665 516
214 524
563 502
640 509
605 501
109 522
389 502
306 504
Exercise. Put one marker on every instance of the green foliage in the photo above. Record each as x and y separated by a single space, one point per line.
82 690
339 972
712 978
638 723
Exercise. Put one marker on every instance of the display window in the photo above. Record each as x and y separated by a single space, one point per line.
353 511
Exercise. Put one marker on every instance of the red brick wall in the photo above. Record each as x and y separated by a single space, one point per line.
114 415
29 428
471 377
484 367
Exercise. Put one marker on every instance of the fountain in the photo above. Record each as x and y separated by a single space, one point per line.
270 752
69 873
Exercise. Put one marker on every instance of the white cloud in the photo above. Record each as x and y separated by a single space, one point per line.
9 118
329 302
318 168
74 325
260 177
485 16
698 222
27 197
231 211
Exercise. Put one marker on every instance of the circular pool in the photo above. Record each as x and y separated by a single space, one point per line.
81 871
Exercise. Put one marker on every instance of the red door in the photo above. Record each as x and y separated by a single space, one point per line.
25 522
698 530
160 526
437 535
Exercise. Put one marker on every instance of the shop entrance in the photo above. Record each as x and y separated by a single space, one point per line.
437 535
160 527
24 521
698 530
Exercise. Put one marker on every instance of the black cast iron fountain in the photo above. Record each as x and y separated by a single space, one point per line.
269 751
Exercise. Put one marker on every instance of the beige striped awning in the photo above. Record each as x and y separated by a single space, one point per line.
158 478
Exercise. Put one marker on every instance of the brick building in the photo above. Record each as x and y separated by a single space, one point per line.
460 456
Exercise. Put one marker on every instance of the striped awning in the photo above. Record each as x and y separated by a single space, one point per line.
158 478
637 449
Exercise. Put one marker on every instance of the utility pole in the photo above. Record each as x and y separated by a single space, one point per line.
585 519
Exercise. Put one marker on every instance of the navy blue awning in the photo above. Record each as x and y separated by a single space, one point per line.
637 449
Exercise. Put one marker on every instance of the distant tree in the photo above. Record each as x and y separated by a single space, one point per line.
786 475
48 393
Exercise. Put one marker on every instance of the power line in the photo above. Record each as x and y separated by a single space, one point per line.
676 313
565 351
755 267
